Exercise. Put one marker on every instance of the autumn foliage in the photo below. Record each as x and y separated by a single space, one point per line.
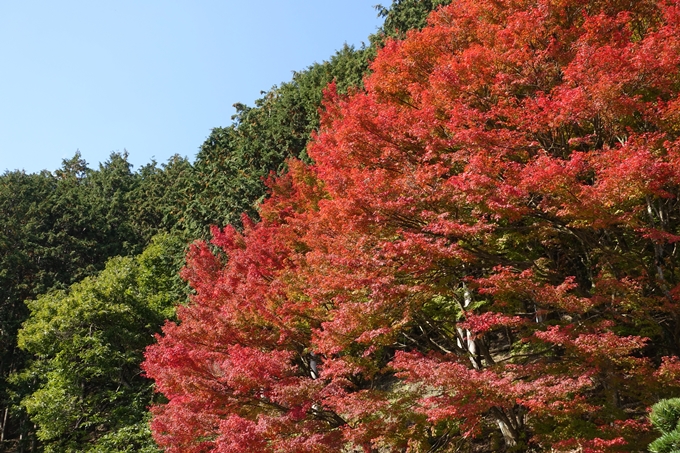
483 254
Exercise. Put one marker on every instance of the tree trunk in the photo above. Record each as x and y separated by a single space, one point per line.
511 424
4 423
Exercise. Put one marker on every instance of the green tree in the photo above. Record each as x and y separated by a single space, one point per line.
402 16
665 416
159 201
87 343
55 229
21 210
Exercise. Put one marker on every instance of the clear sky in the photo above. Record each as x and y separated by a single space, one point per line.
148 76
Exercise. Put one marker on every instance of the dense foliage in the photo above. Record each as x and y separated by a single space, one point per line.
665 416
482 256
87 343
404 15
55 229
59 227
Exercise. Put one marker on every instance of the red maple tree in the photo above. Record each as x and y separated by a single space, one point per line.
483 253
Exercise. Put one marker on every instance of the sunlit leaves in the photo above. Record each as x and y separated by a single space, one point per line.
87 342
484 248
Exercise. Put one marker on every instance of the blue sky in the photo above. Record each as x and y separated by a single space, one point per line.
149 76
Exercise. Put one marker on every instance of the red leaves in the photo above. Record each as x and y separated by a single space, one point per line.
486 240
247 370
480 324
669 371
593 346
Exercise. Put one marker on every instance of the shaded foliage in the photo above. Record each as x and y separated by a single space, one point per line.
404 15
56 229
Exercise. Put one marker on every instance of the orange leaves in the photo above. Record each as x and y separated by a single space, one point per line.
669 371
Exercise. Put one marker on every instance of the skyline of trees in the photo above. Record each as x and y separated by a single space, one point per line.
59 228
466 242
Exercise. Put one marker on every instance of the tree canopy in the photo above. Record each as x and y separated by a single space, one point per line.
88 391
481 255
56 229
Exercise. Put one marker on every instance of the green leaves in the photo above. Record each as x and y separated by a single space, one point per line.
665 416
404 15
87 343
667 443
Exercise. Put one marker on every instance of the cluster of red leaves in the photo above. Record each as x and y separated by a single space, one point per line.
485 247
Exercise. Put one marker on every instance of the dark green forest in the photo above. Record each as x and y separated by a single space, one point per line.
90 257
